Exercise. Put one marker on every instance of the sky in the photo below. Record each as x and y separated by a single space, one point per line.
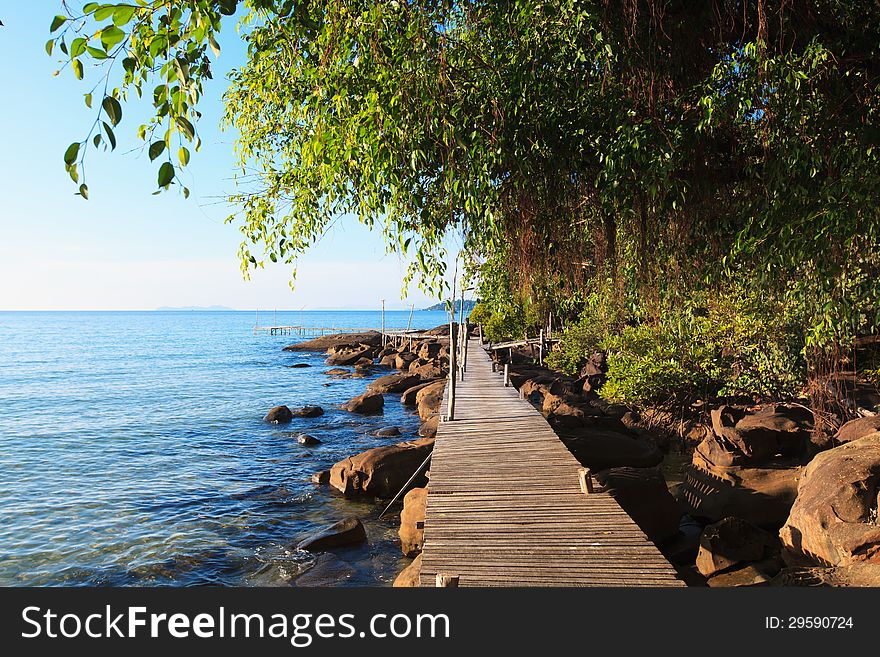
125 249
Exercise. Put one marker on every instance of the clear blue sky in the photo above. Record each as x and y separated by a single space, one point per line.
125 249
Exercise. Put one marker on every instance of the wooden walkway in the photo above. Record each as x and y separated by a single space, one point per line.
505 506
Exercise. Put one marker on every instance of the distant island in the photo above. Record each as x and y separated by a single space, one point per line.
202 308
468 305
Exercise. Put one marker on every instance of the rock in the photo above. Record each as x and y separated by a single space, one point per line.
393 383
428 399
322 477
749 575
325 342
408 398
762 496
409 576
306 439
731 542
307 411
388 360
740 439
349 356
429 370
599 449
412 521
429 350
298 365
833 521
363 363
858 428
388 432
338 371
403 360
369 403
279 415
349 531
428 428
643 494
381 471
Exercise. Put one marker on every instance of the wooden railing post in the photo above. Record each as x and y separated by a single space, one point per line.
450 407
541 349
506 375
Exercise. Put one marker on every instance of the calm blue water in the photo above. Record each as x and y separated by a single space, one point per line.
132 451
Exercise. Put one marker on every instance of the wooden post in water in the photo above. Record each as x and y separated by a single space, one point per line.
506 375
383 322
481 334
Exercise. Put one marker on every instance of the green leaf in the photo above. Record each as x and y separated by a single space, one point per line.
74 176
110 36
113 109
183 154
88 98
104 12
77 69
215 47
110 136
77 47
71 153
123 14
50 46
84 191
186 192
166 174
186 127
97 53
97 140
156 149
57 22
89 7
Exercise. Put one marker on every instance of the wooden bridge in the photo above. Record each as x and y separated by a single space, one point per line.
505 503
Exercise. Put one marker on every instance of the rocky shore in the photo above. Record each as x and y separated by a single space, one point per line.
415 378
763 499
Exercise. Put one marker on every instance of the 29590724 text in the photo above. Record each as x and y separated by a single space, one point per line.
808 622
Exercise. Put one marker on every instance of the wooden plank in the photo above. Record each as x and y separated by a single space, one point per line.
505 507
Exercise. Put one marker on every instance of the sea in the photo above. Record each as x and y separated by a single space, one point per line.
133 451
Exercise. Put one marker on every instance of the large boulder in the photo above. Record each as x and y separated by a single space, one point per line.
397 382
858 428
412 521
731 542
325 342
599 449
349 531
857 574
369 403
388 360
644 495
429 398
761 495
381 471
429 370
409 576
402 361
833 521
739 438
408 398
278 415
350 355
428 428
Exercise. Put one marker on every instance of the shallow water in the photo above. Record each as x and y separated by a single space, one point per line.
132 451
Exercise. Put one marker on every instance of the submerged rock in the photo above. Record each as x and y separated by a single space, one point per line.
369 403
298 365
278 415
322 477
349 531
306 439
388 432
381 471
307 411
